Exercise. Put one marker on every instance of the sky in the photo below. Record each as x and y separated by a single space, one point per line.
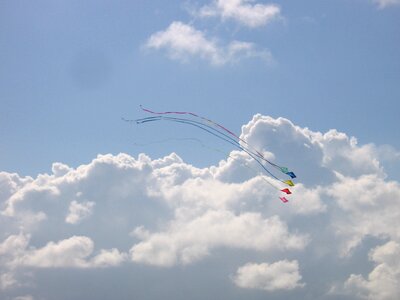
92 206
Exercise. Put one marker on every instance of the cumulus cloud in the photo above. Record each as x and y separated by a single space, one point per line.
245 12
70 252
165 212
108 258
183 42
187 241
383 282
10 249
371 206
280 275
73 252
323 152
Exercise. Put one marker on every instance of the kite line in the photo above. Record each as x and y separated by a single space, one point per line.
223 133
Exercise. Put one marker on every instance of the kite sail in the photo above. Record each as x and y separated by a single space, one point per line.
221 132
287 191
283 199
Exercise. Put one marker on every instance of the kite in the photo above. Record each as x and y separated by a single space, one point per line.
283 199
221 132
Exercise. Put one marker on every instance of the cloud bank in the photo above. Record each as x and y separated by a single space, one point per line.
119 213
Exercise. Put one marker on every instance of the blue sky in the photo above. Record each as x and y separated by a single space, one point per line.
70 71
81 206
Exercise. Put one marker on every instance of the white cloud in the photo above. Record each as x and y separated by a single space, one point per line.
165 212
10 184
242 11
281 275
383 282
322 152
183 42
11 249
79 211
186 241
386 3
14 245
371 206
60 169
108 258
366 203
74 252
71 252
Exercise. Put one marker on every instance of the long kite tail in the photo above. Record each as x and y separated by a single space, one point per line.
256 152
212 131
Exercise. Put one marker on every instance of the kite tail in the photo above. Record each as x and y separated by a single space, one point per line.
225 134
214 132
254 151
